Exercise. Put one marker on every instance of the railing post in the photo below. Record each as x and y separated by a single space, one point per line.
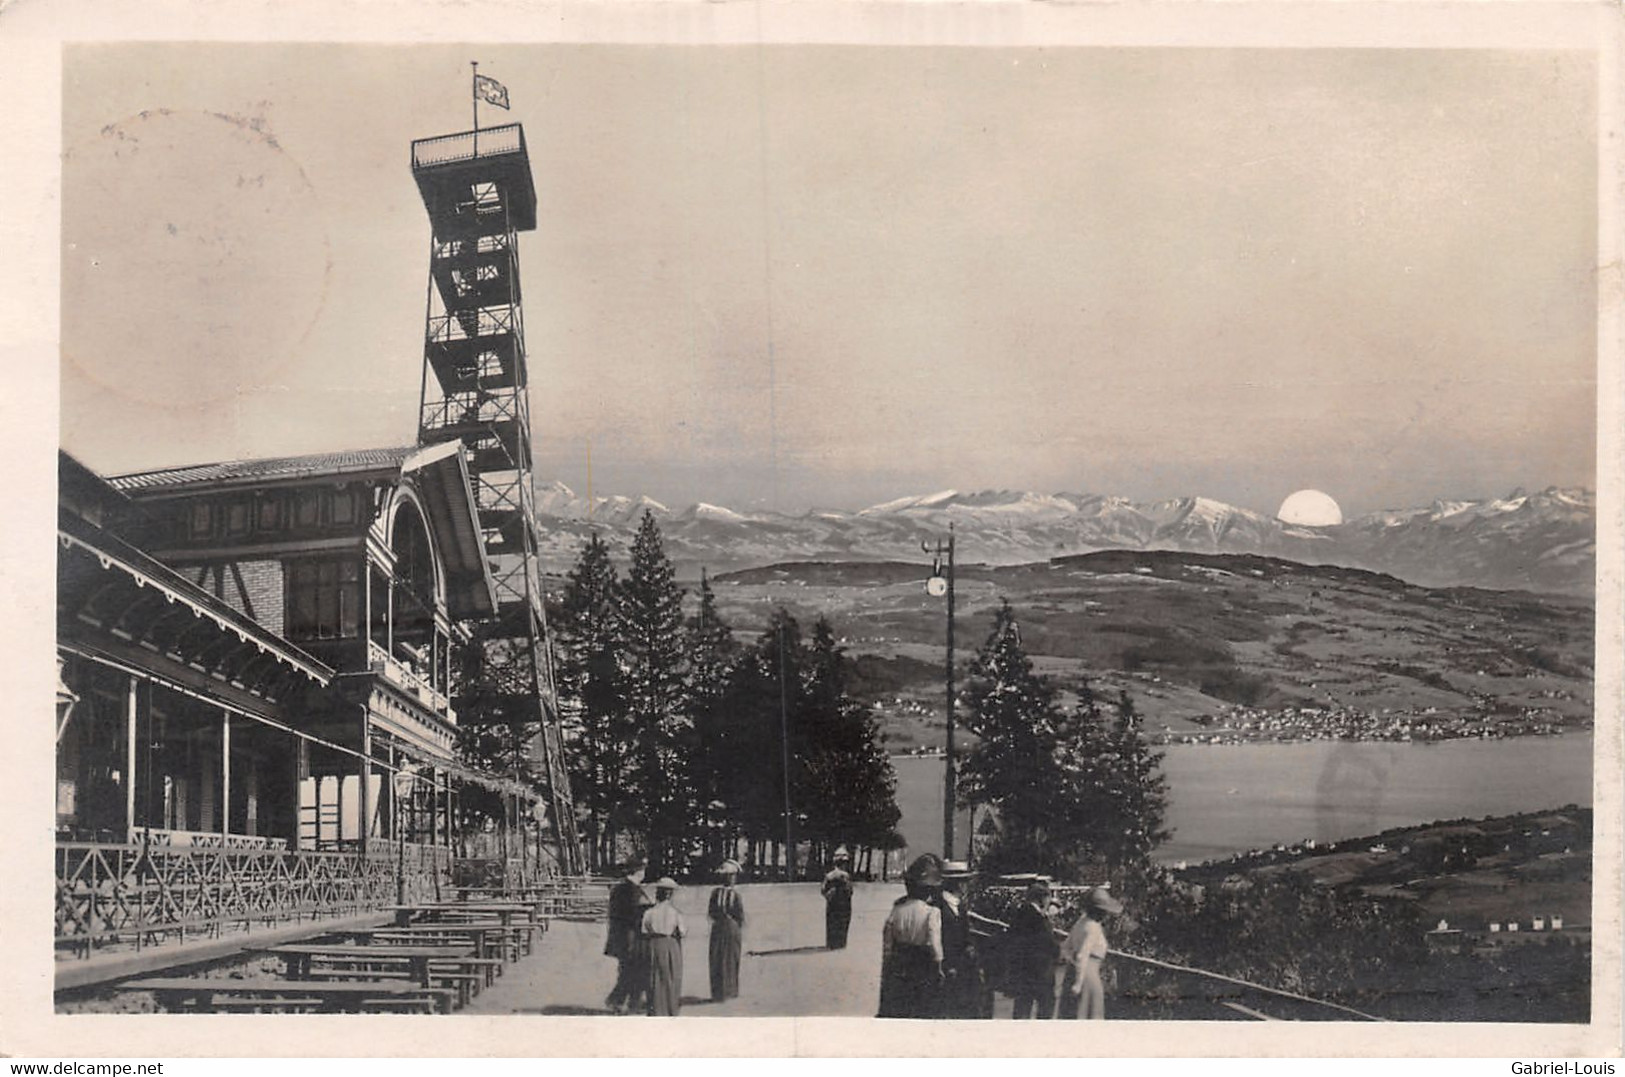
225 775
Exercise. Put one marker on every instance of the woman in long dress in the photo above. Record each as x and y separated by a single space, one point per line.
837 891
911 947
663 929
1083 996
727 913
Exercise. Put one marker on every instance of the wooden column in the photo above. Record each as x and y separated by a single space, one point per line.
131 727
225 772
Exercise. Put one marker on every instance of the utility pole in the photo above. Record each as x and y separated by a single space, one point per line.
942 583
784 750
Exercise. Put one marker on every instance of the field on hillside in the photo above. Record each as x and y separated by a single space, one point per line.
1210 646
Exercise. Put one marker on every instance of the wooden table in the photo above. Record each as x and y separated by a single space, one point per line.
505 911
174 993
297 957
490 937
552 896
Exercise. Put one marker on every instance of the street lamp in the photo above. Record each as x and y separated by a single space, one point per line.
941 583
403 782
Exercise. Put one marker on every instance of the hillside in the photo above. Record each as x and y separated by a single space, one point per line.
1211 646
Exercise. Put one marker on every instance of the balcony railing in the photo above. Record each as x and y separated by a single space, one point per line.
488 321
468 145
143 892
380 662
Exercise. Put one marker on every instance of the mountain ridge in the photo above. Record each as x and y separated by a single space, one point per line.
1542 541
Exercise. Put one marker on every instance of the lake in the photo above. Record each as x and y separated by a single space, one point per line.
1230 798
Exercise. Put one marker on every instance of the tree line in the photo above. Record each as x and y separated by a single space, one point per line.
685 743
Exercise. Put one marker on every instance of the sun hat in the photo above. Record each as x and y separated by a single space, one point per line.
926 870
1100 900
955 869
728 867
841 853
665 882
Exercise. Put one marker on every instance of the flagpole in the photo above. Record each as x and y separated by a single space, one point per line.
474 88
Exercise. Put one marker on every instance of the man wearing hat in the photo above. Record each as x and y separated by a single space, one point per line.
627 900
1032 949
837 891
1082 993
911 946
663 929
961 972
727 913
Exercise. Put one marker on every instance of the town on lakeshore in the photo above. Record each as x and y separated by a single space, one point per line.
361 709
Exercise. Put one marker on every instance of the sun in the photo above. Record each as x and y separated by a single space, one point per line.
1310 508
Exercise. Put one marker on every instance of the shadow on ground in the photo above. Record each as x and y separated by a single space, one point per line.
787 950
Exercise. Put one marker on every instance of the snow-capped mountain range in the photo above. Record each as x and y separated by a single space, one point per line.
1544 541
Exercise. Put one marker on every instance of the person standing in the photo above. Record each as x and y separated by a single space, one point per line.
627 902
961 970
911 947
837 891
1082 993
663 928
1031 943
727 913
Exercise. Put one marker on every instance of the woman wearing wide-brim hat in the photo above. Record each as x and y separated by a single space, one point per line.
1083 995
727 913
911 946
663 928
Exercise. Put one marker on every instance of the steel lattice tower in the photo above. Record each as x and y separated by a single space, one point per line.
478 191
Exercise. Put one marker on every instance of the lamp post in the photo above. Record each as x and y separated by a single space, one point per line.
404 779
941 584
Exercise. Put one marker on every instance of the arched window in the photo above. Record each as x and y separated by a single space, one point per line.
414 561
414 586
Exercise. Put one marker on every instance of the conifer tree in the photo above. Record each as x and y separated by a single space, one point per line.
1074 793
649 611
712 652
591 691
846 778
1139 789
1012 766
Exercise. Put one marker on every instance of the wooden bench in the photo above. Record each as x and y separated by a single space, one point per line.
180 994
486 968
298 957
465 984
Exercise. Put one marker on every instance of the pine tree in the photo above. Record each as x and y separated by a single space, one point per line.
846 778
649 610
1013 765
1140 792
591 691
1076 795
712 652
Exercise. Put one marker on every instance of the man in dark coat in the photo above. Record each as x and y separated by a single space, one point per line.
837 891
1033 951
961 970
624 942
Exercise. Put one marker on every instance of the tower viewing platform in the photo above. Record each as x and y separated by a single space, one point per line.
446 167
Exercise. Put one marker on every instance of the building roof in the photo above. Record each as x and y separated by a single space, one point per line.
440 470
253 472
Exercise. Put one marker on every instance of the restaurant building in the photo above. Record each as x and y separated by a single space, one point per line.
254 704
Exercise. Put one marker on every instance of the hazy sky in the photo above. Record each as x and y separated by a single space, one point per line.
807 276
